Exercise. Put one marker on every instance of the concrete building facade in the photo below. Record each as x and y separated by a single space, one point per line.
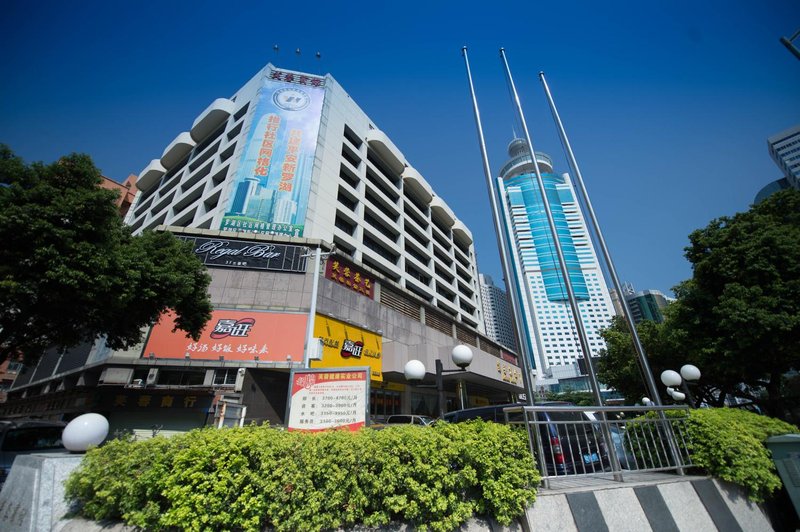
170 383
497 312
288 165
291 153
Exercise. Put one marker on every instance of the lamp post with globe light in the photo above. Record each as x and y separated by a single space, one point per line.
415 372
672 379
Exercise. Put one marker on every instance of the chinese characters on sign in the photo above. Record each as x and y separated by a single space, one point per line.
349 276
352 349
509 374
137 400
234 335
327 399
290 160
225 328
300 79
267 143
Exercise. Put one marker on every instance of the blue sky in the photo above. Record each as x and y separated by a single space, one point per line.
667 104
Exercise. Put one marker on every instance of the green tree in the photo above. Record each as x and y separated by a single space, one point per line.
737 318
619 366
740 311
571 396
70 270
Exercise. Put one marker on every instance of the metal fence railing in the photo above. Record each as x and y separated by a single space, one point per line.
574 440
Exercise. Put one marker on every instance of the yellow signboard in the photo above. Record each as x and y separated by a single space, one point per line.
345 345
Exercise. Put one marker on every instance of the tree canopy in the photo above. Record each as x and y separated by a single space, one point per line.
738 317
70 270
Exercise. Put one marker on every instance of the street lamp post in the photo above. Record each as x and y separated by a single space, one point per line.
671 379
415 371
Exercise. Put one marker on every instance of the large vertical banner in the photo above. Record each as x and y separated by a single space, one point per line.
271 188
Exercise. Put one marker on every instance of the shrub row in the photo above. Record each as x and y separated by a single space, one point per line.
728 443
253 477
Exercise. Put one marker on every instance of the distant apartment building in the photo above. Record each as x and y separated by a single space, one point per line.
126 190
644 304
550 327
784 148
497 312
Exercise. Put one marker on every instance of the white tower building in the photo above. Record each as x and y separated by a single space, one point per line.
497 312
549 326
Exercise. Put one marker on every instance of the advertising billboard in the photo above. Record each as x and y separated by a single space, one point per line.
345 345
322 399
272 184
233 335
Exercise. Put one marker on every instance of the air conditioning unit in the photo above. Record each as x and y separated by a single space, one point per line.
152 376
315 349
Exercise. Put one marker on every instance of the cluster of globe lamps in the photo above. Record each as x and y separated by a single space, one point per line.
672 379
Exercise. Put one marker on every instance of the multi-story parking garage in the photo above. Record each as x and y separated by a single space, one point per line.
289 165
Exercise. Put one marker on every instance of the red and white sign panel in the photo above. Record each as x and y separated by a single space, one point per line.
323 399
234 335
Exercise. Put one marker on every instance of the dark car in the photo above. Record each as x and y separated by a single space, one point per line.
27 437
570 441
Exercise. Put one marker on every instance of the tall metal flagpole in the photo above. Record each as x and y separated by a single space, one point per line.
649 381
651 385
511 280
573 302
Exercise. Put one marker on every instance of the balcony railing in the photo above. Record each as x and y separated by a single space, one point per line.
522 159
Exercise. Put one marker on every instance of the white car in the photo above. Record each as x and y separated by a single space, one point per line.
409 419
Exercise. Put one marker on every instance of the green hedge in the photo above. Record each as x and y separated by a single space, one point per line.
249 478
728 443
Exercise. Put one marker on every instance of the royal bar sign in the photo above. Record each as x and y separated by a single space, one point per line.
249 255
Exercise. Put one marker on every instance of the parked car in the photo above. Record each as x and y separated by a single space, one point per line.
627 459
27 437
570 442
406 419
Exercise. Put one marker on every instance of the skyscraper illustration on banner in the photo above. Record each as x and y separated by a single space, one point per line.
549 322
270 192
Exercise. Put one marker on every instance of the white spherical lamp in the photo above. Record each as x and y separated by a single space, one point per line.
670 378
690 372
462 356
414 370
678 396
646 401
84 431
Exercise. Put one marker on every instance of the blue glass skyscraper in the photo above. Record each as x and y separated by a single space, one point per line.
549 326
